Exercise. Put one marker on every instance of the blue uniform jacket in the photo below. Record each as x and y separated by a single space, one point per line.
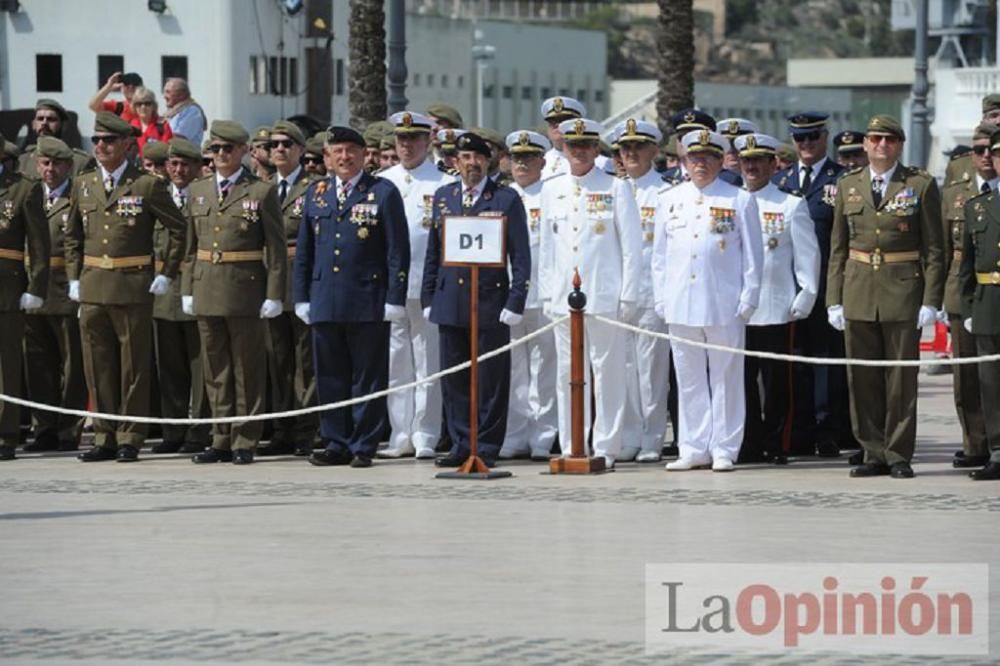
446 288
352 259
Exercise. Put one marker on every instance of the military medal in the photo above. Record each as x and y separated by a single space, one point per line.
251 212
362 232
722 245
599 228
649 236
297 207
772 243
534 216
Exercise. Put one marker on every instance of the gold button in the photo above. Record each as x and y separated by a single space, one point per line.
461 281
218 228
878 231
107 226
215 244
105 241
336 269
107 214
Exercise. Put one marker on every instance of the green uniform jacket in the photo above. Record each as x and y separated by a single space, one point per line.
28 162
908 219
248 220
291 212
960 168
168 306
22 227
57 301
953 197
981 254
117 225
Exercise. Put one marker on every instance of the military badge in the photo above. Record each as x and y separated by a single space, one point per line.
599 228
772 243
251 212
6 212
853 196
829 194
722 245
428 211
956 233
534 217
903 204
200 201
297 206
723 220
362 233
774 222
649 236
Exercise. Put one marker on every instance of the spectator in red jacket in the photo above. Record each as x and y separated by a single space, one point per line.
126 84
152 126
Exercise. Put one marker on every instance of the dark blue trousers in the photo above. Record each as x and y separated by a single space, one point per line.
352 360
494 389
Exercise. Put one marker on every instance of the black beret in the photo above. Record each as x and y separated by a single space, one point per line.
341 134
475 143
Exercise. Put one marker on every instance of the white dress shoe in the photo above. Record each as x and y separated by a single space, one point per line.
628 454
609 462
683 465
722 464
648 457
404 450
425 453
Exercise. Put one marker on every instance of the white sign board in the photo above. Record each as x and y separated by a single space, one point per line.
475 241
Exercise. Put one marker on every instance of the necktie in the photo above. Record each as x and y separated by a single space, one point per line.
224 188
109 184
877 190
345 189
807 180
468 199
283 190
986 189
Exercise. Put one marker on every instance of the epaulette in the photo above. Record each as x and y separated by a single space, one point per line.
86 172
855 170
983 195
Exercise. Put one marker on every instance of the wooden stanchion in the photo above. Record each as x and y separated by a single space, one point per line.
577 462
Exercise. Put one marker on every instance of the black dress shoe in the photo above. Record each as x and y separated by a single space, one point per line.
779 459
969 461
211 455
242 457
361 461
827 448
327 458
303 449
127 453
68 445
192 447
989 473
167 446
870 469
857 458
7 452
98 453
451 460
47 441
751 455
443 444
901 470
276 448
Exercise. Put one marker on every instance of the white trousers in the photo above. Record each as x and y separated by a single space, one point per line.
604 356
415 415
532 419
710 389
648 387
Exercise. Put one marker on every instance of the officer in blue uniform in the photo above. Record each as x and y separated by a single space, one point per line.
446 300
350 278
690 120
822 416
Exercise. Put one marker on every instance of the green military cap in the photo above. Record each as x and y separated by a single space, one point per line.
52 148
491 135
886 124
229 130
261 134
10 149
984 130
995 140
289 129
375 131
46 103
991 101
442 111
113 124
181 147
156 152
786 152
315 143
206 145
388 141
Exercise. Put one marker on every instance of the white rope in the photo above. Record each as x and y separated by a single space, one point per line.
812 360
293 412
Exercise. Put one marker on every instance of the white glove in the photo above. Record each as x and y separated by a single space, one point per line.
547 309
942 316
628 312
745 312
302 312
187 305
427 313
394 312
799 310
160 286
270 309
927 316
74 290
510 318
968 324
835 315
31 302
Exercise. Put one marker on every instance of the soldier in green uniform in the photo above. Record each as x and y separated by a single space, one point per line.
885 283
109 264
178 347
234 281
154 159
22 225
50 119
52 332
979 278
963 163
954 196
289 339
312 160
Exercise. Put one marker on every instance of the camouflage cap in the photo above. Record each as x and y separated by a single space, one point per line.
886 125
181 147
52 148
113 124
289 129
991 101
156 152
229 130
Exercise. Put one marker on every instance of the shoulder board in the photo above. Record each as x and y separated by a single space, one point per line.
985 196
851 172
917 171
86 172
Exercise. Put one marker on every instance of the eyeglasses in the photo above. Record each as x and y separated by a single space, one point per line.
981 149
890 139
283 143
806 136
104 138
149 103
224 148
312 160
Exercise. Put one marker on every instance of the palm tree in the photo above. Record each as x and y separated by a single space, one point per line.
675 43
366 74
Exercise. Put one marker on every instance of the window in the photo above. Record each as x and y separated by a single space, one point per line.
488 91
508 92
283 76
258 75
108 65
430 80
48 72
598 96
526 92
546 92
416 79
340 77
581 95
564 92
461 81
173 67
444 80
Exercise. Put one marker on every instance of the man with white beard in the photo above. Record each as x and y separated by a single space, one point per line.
414 415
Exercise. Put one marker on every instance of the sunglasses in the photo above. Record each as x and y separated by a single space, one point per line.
224 148
887 138
981 149
207 161
807 136
105 138
283 143
312 160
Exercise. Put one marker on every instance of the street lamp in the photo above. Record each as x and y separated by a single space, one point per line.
481 54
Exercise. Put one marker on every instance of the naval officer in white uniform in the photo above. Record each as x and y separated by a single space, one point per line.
707 258
591 224
556 110
414 415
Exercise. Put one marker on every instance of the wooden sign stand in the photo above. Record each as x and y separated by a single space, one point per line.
577 462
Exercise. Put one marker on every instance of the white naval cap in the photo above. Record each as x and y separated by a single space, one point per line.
410 122
756 145
446 138
561 108
580 129
733 127
635 131
705 140
526 141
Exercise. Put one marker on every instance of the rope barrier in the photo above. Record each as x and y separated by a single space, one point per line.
293 412
811 360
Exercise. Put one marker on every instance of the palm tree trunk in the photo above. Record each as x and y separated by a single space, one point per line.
675 43
366 74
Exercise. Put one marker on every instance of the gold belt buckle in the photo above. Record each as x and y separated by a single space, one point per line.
107 262
876 259
995 277
216 256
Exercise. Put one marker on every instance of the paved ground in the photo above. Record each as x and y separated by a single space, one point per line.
280 562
